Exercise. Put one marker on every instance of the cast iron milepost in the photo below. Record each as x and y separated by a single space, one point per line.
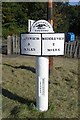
50 20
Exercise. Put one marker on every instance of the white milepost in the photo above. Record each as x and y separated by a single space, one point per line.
42 83
42 64
42 42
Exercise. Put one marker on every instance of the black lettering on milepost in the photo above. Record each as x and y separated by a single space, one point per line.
49 50
29 49
53 44
28 44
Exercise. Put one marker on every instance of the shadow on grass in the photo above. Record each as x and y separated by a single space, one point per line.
15 97
32 69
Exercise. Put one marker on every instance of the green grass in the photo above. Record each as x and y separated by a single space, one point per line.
19 88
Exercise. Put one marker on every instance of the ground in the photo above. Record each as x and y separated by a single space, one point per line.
19 88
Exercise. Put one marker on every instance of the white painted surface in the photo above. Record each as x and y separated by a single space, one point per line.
53 44
41 26
42 83
31 44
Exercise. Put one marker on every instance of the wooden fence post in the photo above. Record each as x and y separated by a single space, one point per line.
79 50
18 51
76 48
71 46
65 48
14 43
68 48
17 44
72 49
9 45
